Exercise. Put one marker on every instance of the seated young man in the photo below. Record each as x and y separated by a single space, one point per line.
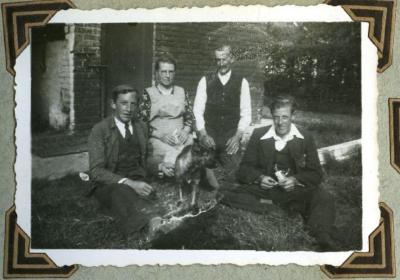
117 151
281 164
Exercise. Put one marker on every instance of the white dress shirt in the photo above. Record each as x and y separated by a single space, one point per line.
280 142
121 126
201 99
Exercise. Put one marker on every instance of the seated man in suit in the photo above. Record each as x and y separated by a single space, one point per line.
117 153
281 164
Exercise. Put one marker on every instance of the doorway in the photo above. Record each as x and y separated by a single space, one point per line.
127 57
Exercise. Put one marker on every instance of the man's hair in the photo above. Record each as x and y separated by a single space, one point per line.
224 47
165 58
283 101
122 89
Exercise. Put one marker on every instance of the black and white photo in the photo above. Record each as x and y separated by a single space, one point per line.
184 136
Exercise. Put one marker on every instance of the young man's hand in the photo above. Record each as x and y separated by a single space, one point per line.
288 184
267 182
140 187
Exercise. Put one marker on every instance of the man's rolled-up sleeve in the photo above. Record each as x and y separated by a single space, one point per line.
199 105
245 106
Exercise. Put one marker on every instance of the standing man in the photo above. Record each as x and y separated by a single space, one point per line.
117 151
222 109
281 164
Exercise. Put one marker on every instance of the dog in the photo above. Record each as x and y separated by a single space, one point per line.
190 168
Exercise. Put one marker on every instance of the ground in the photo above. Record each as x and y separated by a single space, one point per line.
63 217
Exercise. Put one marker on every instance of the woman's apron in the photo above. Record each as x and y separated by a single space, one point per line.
166 117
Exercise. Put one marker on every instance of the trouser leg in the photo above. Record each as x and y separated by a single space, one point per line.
317 208
321 218
229 162
123 204
208 180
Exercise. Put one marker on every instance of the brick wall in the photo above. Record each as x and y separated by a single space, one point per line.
192 50
192 45
87 76
64 75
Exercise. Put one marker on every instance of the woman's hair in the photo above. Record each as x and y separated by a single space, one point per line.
165 58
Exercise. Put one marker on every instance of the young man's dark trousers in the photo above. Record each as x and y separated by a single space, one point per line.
316 206
122 203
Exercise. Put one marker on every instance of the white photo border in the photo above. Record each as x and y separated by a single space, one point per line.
256 13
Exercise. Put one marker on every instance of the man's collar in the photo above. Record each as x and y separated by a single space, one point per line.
293 132
120 124
227 75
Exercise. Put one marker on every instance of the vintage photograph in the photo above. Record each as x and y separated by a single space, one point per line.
197 136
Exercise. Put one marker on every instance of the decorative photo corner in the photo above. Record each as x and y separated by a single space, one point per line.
379 261
394 124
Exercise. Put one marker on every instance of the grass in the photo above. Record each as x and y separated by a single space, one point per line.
62 217
344 182
330 129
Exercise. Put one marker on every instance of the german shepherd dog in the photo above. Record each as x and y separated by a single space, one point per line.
190 168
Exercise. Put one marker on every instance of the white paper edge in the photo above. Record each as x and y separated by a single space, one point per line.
257 13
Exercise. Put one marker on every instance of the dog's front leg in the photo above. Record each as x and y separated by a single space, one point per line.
195 185
180 195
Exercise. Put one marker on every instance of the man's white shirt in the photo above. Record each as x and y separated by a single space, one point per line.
280 142
201 99
121 126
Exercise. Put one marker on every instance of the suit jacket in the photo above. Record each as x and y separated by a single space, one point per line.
104 147
259 156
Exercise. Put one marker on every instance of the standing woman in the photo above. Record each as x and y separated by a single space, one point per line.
166 108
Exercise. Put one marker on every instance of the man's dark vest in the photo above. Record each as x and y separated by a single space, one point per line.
222 112
128 164
284 161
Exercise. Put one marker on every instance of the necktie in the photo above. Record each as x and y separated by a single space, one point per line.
128 133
